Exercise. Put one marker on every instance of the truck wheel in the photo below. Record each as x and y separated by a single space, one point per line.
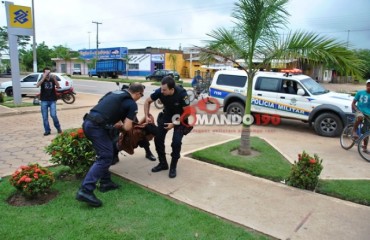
328 125
235 108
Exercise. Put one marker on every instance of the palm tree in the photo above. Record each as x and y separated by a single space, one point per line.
256 35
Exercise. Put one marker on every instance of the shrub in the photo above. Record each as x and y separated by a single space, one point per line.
305 173
32 180
72 149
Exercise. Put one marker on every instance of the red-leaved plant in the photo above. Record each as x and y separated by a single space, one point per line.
305 172
32 180
72 149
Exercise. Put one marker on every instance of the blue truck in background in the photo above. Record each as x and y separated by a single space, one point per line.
108 68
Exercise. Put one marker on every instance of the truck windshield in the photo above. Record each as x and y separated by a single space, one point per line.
313 87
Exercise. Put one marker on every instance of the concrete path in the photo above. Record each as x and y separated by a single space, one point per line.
271 208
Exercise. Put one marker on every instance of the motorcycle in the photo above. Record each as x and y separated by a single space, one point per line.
67 95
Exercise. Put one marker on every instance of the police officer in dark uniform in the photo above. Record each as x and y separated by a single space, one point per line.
97 126
174 99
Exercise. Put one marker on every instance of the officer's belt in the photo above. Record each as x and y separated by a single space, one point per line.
99 120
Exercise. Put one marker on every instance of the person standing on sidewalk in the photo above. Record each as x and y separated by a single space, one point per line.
98 125
174 99
48 98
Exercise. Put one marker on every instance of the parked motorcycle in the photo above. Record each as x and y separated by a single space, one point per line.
67 95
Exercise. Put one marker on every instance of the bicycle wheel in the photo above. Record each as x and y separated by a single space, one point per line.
191 94
346 138
362 146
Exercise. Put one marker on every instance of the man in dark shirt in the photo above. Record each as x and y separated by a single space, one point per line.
48 99
113 107
174 99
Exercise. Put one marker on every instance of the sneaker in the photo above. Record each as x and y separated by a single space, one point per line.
109 186
46 133
89 198
59 131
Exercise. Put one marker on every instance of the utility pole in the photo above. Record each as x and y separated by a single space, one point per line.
97 38
34 39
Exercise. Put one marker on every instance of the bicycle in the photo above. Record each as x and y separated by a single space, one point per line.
347 140
198 90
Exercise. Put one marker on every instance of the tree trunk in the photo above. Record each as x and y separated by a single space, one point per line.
245 144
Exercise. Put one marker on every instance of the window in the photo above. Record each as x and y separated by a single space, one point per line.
268 84
231 80
133 66
63 68
77 65
32 78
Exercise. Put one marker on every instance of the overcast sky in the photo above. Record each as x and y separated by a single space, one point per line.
174 23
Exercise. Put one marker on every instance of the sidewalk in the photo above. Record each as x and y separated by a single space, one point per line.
271 208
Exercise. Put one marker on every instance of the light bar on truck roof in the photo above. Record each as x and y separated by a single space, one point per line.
292 71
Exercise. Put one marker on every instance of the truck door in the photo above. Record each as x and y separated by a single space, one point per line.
265 94
290 104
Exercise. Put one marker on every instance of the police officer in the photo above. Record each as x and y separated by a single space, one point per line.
97 126
174 99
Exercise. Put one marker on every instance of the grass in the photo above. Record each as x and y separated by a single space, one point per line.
270 164
8 102
131 212
357 191
267 163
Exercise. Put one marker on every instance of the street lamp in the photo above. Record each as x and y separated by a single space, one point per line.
97 38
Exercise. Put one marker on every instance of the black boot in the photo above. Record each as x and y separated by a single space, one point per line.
108 186
88 197
149 155
172 173
161 166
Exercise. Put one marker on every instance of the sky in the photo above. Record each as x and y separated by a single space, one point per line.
174 23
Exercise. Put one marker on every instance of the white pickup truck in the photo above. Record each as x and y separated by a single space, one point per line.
293 96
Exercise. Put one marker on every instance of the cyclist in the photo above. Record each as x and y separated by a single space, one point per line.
197 80
361 106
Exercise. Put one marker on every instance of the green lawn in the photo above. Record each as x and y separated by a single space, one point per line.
8 102
270 164
131 212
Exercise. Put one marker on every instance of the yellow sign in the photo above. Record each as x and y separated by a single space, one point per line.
20 16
